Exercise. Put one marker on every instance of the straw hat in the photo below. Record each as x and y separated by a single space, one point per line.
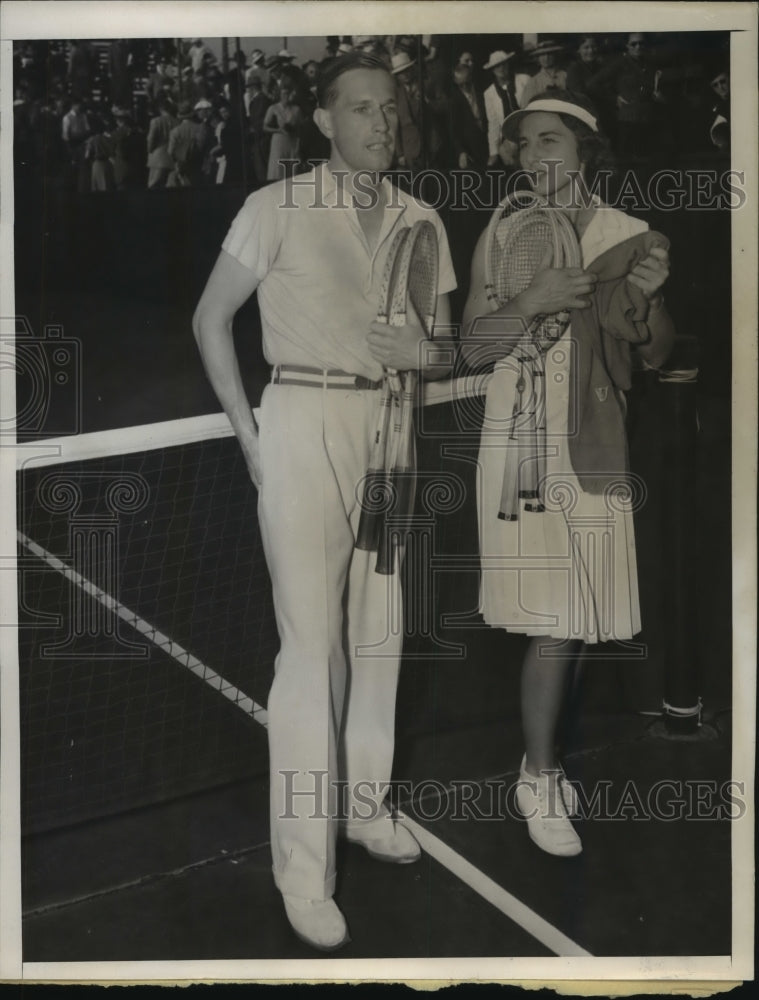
401 61
546 46
498 57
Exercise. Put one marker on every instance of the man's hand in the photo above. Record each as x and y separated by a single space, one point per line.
252 455
651 273
397 346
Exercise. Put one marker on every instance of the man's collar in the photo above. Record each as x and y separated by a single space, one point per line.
328 188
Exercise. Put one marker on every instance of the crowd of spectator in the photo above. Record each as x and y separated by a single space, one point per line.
99 116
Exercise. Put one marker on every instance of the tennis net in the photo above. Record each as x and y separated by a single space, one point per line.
146 632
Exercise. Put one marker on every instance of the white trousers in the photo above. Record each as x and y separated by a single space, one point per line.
331 706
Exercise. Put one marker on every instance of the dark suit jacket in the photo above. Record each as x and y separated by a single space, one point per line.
466 134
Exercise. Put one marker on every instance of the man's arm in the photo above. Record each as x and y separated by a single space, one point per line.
229 286
407 348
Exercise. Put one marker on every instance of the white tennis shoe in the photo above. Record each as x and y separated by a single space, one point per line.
397 847
547 802
318 922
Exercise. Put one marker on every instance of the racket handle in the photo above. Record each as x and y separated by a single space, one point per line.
370 521
375 496
509 505
386 550
394 381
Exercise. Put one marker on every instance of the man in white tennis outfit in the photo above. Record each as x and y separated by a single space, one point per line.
314 247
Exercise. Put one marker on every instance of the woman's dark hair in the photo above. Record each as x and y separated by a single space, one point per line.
593 148
331 72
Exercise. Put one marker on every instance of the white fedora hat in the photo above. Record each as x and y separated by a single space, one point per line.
498 57
401 61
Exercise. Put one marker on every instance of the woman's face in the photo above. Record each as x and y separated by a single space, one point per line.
721 86
587 50
548 149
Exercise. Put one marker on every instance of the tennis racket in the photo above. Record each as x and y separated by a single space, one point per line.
525 233
376 481
409 283
415 290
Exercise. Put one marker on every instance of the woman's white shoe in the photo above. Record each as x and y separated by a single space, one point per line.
541 802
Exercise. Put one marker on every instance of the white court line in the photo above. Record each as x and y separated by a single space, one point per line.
151 633
478 881
495 894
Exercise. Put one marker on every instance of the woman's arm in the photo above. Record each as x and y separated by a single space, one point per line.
649 275
271 122
489 333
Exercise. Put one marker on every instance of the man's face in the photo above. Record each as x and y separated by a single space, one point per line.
362 121
501 72
587 51
312 71
721 86
636 45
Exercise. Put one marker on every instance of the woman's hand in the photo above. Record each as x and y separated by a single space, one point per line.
555 289
650 273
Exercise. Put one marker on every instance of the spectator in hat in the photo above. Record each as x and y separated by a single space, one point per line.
229 151
128 148
120 71
584 67
197 54
330 49
256 105
719 127
97 152
190 144
159 162
468 120
75 130
160 83
500 100
81 69
549 76
409 144
234 85
311 74
256 67
631 81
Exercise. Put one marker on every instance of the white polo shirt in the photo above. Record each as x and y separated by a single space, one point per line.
319 282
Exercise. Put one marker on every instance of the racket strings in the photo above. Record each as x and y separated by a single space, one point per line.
410 277
525 235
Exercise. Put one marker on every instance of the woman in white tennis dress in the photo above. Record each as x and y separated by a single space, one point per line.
565 575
